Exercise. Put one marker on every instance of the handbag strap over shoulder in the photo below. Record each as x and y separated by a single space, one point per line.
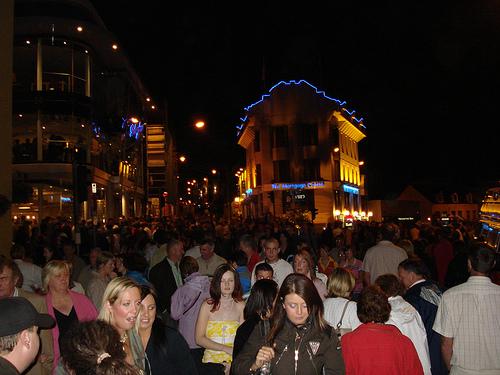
339 324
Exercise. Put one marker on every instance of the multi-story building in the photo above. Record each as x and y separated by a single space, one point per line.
77 101
301 154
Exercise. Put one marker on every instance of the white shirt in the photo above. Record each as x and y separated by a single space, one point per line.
383 258
281 269
469 313
193 252
32 275
333 311
408 320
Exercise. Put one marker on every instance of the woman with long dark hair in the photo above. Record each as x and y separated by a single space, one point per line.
300 341
219 318
258 309
166 350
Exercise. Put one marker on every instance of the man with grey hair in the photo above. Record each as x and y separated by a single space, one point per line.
166 275
208 261
19 341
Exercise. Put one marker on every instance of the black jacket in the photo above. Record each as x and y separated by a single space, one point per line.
425 298
167 352
162 278
316 350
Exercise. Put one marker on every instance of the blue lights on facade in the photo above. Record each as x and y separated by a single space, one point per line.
134 129
341 103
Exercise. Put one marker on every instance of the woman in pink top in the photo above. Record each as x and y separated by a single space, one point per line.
64 305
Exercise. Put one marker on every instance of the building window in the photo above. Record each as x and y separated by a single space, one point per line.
281 170
336 170
64 69
337 199
334 136
24 68
347 202
280 136
309 133
258 175
256 141
355 202
311 169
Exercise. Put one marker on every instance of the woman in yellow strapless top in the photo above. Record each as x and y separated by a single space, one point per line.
220 317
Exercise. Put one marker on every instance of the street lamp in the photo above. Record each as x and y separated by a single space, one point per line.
182 158
214 171
200 124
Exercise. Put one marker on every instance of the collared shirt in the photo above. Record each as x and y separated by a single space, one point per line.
468 313
176 271
208 267
417 282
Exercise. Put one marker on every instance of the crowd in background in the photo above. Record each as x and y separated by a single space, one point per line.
212 296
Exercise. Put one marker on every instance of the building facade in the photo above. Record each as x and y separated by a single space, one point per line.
301 155
429 203
78 106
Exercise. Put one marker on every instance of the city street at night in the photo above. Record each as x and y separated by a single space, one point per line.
212 184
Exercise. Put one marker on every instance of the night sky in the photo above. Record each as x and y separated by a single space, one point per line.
425 77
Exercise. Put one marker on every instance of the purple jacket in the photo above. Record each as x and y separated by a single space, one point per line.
186 303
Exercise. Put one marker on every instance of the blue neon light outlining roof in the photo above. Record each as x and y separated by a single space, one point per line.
341 103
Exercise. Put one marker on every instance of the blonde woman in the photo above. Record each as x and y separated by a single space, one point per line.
121 304
64 305
338 306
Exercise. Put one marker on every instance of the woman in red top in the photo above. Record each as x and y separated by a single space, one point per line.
374 347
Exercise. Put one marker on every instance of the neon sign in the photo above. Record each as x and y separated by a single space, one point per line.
297 186
133 127
350 189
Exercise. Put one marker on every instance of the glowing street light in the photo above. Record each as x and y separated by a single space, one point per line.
182 158
200 124
214 171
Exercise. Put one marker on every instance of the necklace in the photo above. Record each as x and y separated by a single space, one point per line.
124 338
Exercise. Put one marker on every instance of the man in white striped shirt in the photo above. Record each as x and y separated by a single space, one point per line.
467 319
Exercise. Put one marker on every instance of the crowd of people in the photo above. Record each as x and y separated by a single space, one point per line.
195 295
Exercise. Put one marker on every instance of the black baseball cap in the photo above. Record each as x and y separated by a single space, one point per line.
17 314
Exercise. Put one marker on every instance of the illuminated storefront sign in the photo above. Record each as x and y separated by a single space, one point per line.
299 185
350 189
249 191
